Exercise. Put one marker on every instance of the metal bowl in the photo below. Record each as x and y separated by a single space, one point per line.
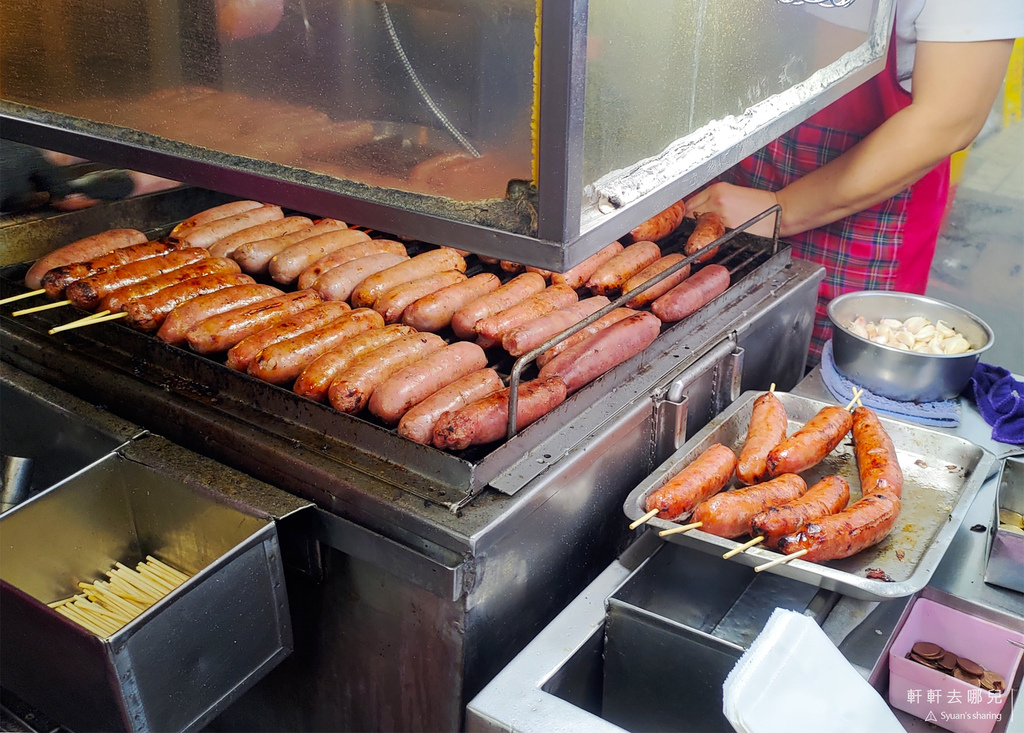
904 375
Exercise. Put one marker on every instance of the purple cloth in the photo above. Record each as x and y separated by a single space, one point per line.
1000 399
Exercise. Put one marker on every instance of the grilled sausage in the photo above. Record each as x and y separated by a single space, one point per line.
811 443
418 423
316 378
876 456
148 313
861 525
416 382
186 315
339 282
318 316
56 280
527 337
709 228
254 257
648 273
89 291
286 266
348 254
609 278
118 300
222 331
603 351
691 294
576 277
392 304
704 477
282 362
205 235
434 312
766 430
513 267
516 290
486 420
428 263
828 496
490 330
217 212
660 225
728 514
584 333
80 251
546 274
352 389
268 230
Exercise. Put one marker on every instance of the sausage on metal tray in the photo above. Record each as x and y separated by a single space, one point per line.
418 423
490 330
222 331
416 382
692 294
660 225
348 254
278 228
148 313
709 227
186 315
435 311
514 291
339 282
254 257
205 235
55 281
728 513
80 251
577 276
353 388
603 351
428 263
522 339
286 266
609 278
828 496
486 420
877 463
650 272
546 274
282 362
509 266
811 443
318 316
702 478
217 212
392 303
118 300
89 291
861 525
584 333
315 379
766 430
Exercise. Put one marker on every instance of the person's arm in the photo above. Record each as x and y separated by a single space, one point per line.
954 88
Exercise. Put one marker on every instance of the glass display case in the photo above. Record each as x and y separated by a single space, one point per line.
533 131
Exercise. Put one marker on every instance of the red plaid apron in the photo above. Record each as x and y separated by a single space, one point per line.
887 247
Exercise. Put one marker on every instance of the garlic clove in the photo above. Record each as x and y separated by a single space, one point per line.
858 329
925 333
915 323
878 339
944 329
920 348
905 338
891 323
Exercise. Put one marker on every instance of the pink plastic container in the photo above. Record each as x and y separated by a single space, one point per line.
942 699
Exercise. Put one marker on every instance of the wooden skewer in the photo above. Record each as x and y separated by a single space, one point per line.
680 528
780 560
163 567
140 582
46 307
87 321
856 397
645 518
744 547
29 294
149 574
772 388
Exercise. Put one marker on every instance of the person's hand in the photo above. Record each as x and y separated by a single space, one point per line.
237 19
735 204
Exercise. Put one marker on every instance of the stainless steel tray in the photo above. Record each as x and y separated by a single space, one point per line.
942 473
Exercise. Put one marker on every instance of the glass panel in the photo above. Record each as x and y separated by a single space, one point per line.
656 76
314 84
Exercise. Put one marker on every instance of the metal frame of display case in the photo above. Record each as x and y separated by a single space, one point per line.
565 233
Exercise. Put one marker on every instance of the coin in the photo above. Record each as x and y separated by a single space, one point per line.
921 660
961 675
993 681
948 662
928 650
1006 516
970 667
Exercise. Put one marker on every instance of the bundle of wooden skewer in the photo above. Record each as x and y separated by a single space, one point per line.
105 606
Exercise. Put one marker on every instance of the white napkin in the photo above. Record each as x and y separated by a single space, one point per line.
793 678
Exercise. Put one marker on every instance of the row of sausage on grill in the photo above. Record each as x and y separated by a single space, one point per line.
361 330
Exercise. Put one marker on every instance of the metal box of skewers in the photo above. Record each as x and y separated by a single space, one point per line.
1006 535
132 599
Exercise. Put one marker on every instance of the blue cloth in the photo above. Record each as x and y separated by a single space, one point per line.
1000 400
941 414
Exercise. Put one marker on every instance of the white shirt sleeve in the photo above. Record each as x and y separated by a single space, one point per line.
977 20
